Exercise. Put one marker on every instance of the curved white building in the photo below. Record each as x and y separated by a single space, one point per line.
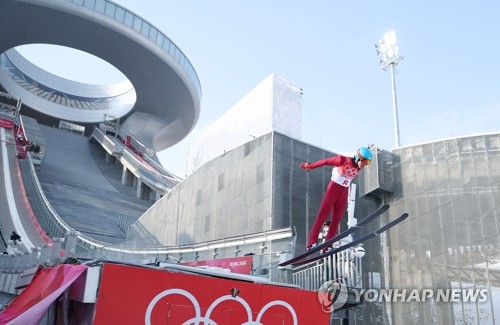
158 105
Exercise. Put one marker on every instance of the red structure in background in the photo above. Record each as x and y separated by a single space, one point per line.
137 295
128 143
20 139
128 140
47 285
126 294
6 123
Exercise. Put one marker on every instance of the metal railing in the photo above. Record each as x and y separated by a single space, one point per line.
17 259
113 147
46 215
138 167
136 23
343 266
147 155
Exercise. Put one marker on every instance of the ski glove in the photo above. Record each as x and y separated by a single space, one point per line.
306 166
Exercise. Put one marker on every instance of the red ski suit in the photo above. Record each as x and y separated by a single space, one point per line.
336 194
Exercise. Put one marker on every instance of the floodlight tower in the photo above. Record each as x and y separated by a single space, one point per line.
388 54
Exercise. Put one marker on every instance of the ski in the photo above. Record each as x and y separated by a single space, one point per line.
340 236
354 242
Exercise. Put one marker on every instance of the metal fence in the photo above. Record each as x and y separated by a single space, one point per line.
344 266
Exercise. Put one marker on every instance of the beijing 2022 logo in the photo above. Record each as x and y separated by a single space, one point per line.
332 295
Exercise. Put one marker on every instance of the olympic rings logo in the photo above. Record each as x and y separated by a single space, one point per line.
206 319
349 171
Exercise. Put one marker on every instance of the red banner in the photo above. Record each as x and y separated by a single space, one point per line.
6 123
241 265
137 295
48 284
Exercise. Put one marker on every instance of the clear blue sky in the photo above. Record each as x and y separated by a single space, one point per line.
447 84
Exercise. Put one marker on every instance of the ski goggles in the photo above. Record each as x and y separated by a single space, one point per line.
365 161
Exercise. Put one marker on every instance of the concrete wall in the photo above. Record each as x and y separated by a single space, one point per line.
228 196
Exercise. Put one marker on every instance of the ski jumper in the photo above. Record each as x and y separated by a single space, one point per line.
335 198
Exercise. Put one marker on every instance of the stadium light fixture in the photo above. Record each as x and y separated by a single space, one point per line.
389 56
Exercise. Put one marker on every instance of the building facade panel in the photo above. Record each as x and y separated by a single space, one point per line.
450 189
